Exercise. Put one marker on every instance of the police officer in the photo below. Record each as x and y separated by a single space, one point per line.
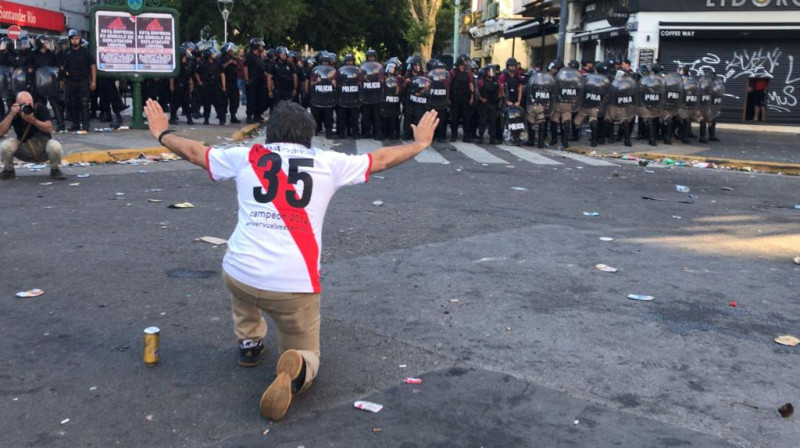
390 105
568 98
255 81
673 97
349 100
717 95
539 104
593 106
282 78
413 69
371 95
688 107
650 103
46 63
24 60
182 87
322 93
229 52
462 97
211 79
300 72
79 73
511 79
490 97
440 96
6 66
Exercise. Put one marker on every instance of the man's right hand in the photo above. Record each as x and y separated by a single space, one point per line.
15 109
425 129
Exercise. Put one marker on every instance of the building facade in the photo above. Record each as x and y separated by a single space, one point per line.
747 42
487 25
50 17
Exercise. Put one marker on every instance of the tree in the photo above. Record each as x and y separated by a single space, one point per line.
423 25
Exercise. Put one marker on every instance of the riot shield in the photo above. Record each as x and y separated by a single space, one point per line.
5 81
595 93
569 91
704 92
440 79
650 96
514 129
690 97
717 94
371 86
673 93
419 93
390 105
349 86
19 80
541 93
622 98
47 82
321 91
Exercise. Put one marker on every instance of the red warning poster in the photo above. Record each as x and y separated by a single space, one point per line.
128 43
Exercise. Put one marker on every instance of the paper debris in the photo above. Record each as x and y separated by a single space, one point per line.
182 205
213 240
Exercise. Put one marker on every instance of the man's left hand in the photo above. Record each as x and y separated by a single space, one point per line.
156 118
93 86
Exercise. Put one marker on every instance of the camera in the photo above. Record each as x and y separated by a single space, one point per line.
26 108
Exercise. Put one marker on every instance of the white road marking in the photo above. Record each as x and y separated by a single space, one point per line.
364 145
584 159
477 153
529 155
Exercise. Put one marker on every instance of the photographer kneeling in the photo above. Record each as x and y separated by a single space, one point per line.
32 125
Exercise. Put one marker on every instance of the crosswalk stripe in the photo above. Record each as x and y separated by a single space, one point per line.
429 155
477 153
364 146
585 159
528 155
323 143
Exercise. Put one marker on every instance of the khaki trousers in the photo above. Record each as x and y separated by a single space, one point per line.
296 315
32 150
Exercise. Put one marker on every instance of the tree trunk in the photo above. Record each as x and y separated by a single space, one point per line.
426 48
423 12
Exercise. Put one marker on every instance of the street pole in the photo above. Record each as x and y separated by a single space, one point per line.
225 7
456 15
562 30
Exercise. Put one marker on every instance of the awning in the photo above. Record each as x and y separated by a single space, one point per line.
529 29
604 33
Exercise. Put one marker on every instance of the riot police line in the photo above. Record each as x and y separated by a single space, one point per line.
376 99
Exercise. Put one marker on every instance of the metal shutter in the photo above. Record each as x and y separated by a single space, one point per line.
737 60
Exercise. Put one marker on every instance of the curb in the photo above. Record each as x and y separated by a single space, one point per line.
743 165
116 155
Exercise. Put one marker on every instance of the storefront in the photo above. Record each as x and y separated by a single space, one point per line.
601 39
747 42
32 20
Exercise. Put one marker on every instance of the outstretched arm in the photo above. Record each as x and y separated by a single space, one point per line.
388 157
191 150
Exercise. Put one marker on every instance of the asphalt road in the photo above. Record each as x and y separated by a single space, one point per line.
478 278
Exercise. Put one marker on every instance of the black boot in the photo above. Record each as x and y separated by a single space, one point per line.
712 131
554 133
626 132
601 131
595 130
651 131
641 131
667 130
703 127
565 131
531 135
540 139
481 131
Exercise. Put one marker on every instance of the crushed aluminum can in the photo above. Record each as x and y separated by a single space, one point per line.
591 214
640 297
36 292
412 381
368 406
682 188
605 268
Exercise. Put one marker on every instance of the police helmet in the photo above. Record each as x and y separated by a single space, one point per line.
511 61
574 64
43 41
392 66
555 65
601 68
6 44
657 69
293 55
24 43
439 64
372 54
325 57
210 52
462 59
644 70
429 65
349 58
310 62
256 44
73 33
271 53
228 47
282 51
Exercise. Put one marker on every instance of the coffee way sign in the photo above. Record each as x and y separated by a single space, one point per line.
721 5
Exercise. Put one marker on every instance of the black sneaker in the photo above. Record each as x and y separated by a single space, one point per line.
8 174
250 352
235 120
55 173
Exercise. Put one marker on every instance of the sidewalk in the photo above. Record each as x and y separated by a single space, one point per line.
741 149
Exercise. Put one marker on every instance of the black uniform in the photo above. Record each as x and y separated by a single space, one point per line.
460 96
77 73
181 95
489 89
283 73
26 61
255 88
232 95
210 72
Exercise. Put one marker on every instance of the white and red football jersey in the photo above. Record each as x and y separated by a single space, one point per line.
283 191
